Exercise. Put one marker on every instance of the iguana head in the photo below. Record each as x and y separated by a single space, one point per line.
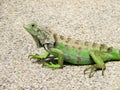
41 37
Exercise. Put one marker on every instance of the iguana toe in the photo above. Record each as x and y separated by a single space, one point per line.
36 56
92 71
51 65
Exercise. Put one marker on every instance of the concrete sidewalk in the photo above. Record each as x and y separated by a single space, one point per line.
90 20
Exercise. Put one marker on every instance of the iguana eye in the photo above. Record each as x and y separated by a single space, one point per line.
33 25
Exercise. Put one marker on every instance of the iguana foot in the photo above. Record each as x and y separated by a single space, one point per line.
51 65
94 68
92 71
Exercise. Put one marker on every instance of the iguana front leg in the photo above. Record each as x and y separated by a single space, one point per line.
98 57
57 53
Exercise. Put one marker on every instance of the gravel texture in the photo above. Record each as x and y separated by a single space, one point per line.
90 20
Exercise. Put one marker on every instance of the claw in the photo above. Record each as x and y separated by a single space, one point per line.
30 56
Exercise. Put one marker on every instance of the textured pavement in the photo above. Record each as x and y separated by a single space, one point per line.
90 20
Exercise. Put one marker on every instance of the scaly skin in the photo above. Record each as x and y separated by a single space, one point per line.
72 51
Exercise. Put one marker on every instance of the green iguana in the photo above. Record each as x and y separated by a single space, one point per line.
73 51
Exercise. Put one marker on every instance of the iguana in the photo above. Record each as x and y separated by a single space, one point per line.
76 52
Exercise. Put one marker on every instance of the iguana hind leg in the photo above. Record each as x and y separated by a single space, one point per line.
57 53
99 63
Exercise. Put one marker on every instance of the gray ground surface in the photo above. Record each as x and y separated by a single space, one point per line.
91 20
